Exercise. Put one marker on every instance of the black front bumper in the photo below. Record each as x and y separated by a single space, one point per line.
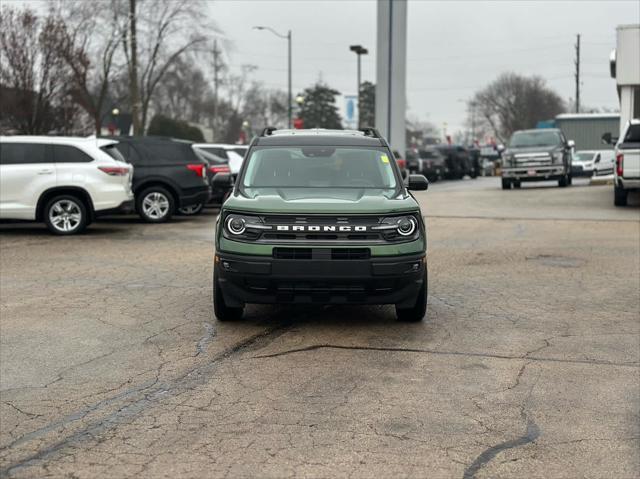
265 280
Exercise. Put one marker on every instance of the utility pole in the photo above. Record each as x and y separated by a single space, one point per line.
133 71
577 62
216 83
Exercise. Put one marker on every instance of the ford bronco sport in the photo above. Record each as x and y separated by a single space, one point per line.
320 216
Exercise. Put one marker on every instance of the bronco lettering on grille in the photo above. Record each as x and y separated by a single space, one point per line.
313 228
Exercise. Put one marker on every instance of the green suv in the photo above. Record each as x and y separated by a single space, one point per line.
321 217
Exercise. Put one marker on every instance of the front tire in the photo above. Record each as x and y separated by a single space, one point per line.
564 181
418 311
155 204
191 210
620 196
65 215
220 308
506 184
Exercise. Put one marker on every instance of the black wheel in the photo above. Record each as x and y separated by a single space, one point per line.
517 184
191 210
570 179
564 181
619 196
65 215
418 311
220 308
155 204
506 184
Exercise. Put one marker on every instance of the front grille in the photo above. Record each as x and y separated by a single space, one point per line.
322 253
532 160
292 253
350 253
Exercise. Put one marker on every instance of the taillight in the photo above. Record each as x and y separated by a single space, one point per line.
219 169
401 163
619 160
114 170
199 169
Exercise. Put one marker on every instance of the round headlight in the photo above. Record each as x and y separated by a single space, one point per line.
407 226
235 225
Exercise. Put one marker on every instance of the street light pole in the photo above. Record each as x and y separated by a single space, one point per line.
359 51
288 38
290 99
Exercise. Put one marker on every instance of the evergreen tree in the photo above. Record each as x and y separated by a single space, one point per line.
319 108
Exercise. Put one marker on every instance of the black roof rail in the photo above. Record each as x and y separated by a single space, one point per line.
370 131
268 131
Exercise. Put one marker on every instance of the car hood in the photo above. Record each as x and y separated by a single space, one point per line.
320 200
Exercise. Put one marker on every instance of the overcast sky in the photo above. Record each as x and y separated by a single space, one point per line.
453 47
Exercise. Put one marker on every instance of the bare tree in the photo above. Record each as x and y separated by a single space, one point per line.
33 75
184 92
88 42
513 102
159 32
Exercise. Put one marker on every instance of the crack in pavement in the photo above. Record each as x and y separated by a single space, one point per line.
532 433
445 353
141 398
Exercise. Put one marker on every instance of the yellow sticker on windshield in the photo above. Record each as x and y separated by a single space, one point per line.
384 159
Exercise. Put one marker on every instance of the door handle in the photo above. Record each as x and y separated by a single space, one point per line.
45 172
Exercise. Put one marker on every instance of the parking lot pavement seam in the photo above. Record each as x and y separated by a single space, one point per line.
152 392
446 353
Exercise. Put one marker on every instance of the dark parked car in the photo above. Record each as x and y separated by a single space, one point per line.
168 175
458 161
216 165
430 163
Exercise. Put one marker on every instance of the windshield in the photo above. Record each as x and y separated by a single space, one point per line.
319 167
210 157
534 138
583 156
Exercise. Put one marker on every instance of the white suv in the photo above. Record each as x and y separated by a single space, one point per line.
62 181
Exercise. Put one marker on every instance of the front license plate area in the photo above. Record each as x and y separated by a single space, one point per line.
321 269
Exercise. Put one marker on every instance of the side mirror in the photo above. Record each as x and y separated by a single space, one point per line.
222 181
417 183
571 143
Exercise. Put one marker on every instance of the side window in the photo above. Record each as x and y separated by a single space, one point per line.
69 154
597 158
22 153
636 102
129 153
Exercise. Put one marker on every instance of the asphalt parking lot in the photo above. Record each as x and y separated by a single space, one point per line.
112 365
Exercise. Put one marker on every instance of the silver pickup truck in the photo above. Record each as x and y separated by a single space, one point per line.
627 171
537 155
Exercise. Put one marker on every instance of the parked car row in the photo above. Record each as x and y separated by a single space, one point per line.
444 162
67 182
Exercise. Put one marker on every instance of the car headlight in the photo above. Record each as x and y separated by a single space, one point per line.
238 226
398 228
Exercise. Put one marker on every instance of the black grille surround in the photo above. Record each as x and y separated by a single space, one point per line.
326 229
